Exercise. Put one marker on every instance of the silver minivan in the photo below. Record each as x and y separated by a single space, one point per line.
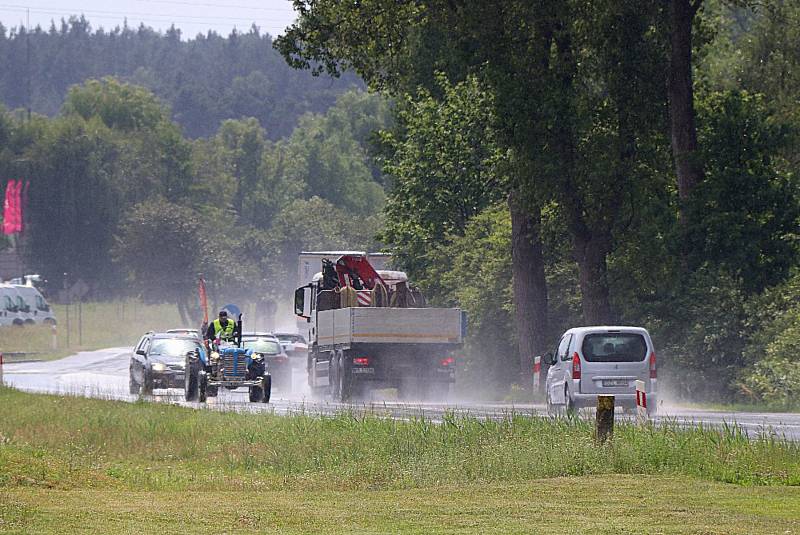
590 361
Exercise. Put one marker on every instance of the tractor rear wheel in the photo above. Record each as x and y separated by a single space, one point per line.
256 394
202 386
266 386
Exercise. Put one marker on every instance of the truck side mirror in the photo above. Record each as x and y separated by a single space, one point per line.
300 302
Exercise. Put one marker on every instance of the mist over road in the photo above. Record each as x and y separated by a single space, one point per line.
104 374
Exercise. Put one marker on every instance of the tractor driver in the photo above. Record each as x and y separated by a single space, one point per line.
222 328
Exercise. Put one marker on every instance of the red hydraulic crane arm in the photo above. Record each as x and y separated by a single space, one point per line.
351 266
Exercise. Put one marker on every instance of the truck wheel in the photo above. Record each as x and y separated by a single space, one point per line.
333 378
255 394
202 385
190 381
344 379
266 386
212 391
310 370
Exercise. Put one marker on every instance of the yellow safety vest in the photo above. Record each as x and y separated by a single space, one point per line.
226 333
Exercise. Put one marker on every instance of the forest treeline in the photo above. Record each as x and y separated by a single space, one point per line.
120 199
563 163
540 164
204 80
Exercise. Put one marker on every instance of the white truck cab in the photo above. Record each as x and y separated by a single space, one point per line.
39 310
9 306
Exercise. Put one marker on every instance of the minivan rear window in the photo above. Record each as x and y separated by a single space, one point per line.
614 347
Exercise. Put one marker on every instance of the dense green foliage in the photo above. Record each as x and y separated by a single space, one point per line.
204 80
566 105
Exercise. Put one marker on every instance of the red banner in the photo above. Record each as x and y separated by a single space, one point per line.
18 207
11 209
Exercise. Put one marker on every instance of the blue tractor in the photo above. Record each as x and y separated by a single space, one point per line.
226 365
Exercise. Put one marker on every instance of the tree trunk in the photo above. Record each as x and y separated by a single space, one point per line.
590 253
688 167
530 286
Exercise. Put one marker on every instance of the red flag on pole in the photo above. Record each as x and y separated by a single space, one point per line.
18 207
9 225
201 288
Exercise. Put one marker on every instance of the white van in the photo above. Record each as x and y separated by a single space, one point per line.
9 306
39 310
592 361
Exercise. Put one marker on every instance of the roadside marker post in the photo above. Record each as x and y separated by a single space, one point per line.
54 331
605 419
537 371
641 402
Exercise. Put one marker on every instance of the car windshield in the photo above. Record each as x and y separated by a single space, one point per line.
614 347
262 345
293 338
172 347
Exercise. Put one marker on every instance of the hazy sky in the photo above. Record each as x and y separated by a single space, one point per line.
190 16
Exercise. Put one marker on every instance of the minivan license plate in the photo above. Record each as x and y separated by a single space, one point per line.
615 382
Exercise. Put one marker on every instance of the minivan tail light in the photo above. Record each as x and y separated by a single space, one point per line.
447 361
653 365
576 366
361 361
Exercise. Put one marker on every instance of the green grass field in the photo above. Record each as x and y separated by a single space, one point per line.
93 466
588 504
92 326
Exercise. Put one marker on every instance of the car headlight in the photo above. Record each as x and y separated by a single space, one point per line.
159 366
258 356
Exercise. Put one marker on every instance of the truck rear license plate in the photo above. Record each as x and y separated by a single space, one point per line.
364 370
615 382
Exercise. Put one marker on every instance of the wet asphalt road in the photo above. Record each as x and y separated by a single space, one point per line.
104 374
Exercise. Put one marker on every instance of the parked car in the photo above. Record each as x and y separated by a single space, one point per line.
590 361
278 365
159 360
38 309
295 347
9 306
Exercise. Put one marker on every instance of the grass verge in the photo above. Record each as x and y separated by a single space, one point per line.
84 465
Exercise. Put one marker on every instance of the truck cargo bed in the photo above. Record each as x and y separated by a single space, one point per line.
374 325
